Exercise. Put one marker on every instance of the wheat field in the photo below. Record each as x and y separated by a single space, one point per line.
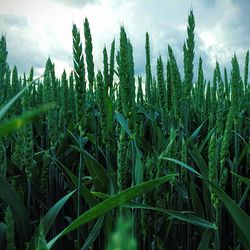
115 160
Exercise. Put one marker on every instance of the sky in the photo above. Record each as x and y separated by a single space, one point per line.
38 29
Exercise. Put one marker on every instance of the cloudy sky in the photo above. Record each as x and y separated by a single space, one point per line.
36 29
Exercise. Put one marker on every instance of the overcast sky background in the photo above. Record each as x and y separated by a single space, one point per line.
36 29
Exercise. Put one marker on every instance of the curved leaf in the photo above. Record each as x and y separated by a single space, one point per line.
48 220
110 203
12 101
96 170
243 179
183 216
16 123
195 134
205 240
93 234
123 122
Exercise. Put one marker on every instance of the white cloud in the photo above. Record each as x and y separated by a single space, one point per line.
222 28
